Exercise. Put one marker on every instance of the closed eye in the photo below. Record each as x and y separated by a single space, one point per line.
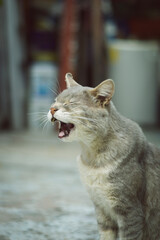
65 104
68 103
72 102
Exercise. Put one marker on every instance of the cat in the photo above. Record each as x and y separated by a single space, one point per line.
119 168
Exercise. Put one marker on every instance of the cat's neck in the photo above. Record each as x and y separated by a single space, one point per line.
103 142
110 145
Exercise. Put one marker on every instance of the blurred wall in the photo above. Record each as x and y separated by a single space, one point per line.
11 57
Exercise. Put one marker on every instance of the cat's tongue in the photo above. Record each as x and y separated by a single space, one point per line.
61 134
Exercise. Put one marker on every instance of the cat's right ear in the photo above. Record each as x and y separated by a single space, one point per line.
70 81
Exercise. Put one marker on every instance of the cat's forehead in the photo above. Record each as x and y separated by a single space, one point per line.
77 92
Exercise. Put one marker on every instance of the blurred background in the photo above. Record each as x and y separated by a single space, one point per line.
42 40
41 196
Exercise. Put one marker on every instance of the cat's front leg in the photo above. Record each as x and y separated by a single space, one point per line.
107 235
107 227
131 225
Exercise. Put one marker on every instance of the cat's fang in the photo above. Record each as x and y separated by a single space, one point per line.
59 124
53 119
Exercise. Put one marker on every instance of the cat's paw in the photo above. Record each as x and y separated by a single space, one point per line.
108 235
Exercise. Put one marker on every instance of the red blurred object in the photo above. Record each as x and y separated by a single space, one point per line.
68 36
145 28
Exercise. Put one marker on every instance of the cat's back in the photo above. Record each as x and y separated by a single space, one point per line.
156 152
152 177
153 158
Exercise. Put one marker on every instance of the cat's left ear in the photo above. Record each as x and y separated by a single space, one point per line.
70 81
103 92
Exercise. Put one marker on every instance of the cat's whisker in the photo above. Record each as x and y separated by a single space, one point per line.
45 124
58 85
80 121
86 118
40 118
36 113
80 117
75 119
53 91
43 115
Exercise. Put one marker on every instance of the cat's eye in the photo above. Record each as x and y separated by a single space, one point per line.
72 101
68 103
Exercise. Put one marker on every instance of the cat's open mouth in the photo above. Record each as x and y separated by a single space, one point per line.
64 129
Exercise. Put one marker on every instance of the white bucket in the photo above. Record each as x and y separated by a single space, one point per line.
133 65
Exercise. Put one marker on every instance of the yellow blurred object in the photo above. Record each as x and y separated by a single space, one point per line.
113 54
44 56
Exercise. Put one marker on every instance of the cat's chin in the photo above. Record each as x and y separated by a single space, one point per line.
70 138
67 139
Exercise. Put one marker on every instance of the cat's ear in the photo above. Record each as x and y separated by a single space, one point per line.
70 81
103 92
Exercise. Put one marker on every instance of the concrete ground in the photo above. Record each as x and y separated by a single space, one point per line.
41 195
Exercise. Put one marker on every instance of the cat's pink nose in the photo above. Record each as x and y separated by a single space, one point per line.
53 110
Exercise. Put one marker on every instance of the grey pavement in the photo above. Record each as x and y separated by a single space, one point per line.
41 195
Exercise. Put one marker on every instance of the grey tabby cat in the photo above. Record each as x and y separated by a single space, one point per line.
120 169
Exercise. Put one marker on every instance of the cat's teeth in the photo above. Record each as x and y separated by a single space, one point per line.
59 122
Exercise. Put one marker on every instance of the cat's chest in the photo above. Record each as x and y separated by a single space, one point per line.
97 184
94 177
